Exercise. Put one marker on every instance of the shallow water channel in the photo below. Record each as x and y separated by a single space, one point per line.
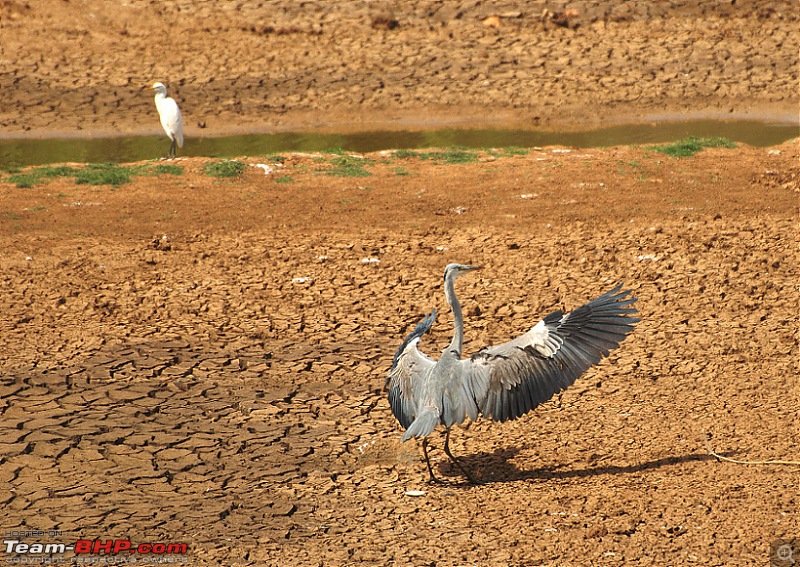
25 152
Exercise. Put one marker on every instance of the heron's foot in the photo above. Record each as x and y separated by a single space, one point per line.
470 480
457 463
435 480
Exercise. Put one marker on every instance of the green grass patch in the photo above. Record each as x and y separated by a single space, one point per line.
57 171
275 158
164 169
450 155
40 175
25 180
284 179
227 168
509 151
92 174
691 145
349 166
403 154
400 171
105 174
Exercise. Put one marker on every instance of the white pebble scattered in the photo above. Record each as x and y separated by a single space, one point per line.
302 280
643 257
365 445
370 260
267 169
81 204
529 195
415 493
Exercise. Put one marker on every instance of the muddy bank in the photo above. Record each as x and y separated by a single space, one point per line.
327 66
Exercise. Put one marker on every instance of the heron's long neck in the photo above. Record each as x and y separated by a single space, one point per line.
458 318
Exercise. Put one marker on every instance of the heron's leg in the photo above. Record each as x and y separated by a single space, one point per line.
456 461
428 461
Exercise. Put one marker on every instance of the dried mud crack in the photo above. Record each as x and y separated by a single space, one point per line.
202 360
283 66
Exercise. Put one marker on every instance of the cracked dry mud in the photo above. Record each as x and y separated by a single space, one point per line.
284 65
202 360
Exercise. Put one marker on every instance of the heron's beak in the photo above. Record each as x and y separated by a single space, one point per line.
470 268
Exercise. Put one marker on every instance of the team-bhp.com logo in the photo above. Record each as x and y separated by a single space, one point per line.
116 546
88 551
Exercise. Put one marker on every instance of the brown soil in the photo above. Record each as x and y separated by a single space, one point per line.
70 69
201 360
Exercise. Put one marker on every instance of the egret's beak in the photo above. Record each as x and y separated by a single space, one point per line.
147 88
470 268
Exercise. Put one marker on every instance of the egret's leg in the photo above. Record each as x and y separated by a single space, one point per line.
428 461
456 461
173 151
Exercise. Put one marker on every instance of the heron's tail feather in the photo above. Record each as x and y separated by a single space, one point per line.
423 425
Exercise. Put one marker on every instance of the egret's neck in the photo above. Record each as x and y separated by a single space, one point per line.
458 318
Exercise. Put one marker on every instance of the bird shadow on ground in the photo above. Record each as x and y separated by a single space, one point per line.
497 466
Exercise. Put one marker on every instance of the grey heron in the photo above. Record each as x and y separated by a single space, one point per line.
170 115
502 382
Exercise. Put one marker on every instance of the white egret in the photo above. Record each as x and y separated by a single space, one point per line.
170 114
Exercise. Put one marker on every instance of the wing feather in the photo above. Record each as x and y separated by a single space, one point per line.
511 379
408 367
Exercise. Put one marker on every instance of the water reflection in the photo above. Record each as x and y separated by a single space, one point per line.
20 153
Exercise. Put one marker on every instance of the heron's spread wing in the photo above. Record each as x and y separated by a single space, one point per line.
511 379
408 367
